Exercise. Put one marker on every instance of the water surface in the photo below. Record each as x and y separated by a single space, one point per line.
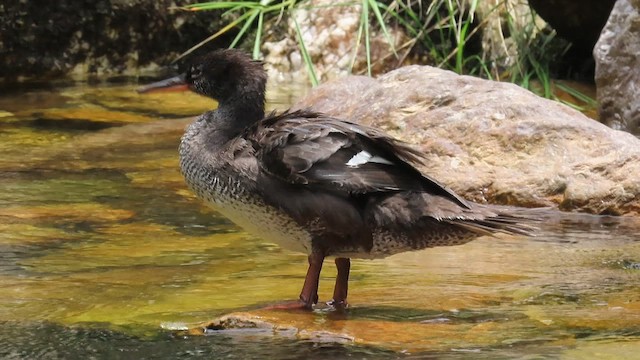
101 245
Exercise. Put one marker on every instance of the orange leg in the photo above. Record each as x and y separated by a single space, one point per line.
309 294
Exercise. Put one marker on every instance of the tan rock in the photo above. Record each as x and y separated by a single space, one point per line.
617 76
494 142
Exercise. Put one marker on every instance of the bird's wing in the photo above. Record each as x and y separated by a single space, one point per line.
317 151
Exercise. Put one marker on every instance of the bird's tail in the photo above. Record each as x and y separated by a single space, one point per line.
492 219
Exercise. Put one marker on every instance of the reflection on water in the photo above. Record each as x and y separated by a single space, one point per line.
100 243
50 341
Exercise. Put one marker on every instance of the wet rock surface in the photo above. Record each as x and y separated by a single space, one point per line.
617 63
495 142
48 39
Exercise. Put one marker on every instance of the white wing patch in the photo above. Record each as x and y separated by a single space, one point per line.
364 157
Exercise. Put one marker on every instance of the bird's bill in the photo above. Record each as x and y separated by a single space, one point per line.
176 83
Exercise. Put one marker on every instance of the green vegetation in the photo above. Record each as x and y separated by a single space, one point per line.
538 49
446 32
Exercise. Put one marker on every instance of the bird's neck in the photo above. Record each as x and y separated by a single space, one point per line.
234 116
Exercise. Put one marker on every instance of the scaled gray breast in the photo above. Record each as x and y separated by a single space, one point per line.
233 194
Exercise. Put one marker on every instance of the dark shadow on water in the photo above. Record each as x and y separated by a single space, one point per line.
43 340
52 341
71 124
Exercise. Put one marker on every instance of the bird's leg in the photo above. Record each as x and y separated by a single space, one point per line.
342 283
309 294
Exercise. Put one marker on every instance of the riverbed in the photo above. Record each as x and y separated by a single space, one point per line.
104 253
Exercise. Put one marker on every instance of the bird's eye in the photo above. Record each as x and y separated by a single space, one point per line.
195 72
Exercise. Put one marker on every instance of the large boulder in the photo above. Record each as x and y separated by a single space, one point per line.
492 141
617 68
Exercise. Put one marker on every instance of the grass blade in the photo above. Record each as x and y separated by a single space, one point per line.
357 45
373 4
220 32
305 55
216 5
364 18
244 28
256 43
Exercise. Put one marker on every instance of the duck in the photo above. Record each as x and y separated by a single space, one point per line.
317 184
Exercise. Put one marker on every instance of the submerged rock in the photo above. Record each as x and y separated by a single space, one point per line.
268 323
617 63
346 328
492 141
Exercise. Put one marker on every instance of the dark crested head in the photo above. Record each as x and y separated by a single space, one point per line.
226 75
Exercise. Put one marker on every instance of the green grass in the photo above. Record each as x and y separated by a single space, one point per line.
446 31
245 14
305 55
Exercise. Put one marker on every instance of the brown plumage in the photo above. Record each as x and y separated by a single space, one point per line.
318 184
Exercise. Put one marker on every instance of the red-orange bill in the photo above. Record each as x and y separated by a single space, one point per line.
175 83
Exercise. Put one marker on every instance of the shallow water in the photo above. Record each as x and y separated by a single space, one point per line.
101 245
